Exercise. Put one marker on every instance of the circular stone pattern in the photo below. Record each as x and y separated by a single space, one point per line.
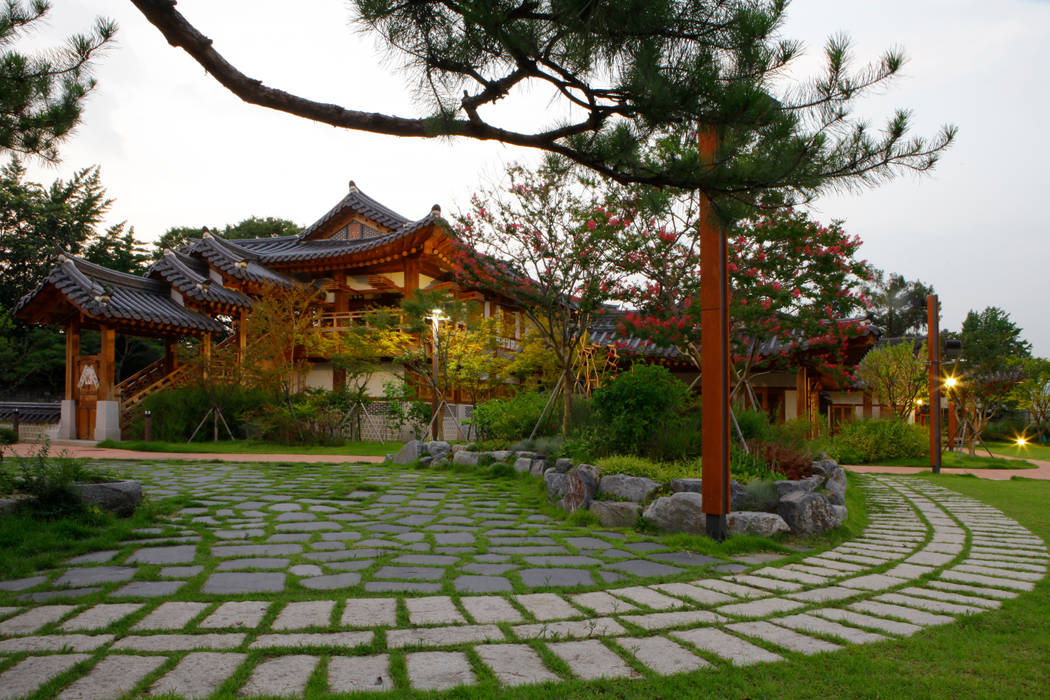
429 562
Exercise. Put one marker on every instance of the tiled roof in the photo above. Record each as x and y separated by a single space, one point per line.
235 260
189 277
107 294
30 412
358 201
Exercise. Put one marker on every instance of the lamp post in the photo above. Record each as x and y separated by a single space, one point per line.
435 318
933 347
949 384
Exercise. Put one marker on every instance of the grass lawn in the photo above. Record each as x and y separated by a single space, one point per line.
366 449
957 460
1031 451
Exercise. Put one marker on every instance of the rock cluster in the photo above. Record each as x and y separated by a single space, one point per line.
806 506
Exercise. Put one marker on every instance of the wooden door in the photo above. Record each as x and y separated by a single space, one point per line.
86 394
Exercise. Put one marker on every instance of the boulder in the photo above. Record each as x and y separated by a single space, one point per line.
825 465
465 458
436 448
458 448
523 465
690 485
501 455
746 522
627 488
835 499
581 486
737 494
807 485
11 504
425 461
118 497
539 467
836 482
615 513
840 512
679 512
526 453
555 484
563 465
807 513
410 453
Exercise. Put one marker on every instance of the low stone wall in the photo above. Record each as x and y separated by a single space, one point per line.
802 507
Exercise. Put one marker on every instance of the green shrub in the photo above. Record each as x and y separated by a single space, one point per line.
639 408
582 518
748 466
759 496
754 424
663 472
515 417
49 480
177 412
8 436
869 441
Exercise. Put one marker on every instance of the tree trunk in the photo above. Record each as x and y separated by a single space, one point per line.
566 405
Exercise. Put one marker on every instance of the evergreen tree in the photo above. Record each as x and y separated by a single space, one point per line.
898 306
42 95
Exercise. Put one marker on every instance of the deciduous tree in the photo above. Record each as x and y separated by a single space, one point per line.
897 375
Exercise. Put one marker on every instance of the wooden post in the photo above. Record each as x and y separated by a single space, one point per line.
106 367
169 356
205 356
411 276
933 347
801 393
866 404
72 353
714 354
242 335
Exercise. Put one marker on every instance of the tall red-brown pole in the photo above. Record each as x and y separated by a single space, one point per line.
933 347
714 355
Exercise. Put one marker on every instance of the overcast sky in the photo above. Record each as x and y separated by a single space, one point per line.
177 149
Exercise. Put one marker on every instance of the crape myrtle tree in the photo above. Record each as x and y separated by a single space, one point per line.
795 286
537 239
42 95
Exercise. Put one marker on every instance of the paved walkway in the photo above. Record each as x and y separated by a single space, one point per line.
360 571
89 451
1042 470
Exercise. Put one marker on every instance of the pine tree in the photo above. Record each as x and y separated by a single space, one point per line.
42 95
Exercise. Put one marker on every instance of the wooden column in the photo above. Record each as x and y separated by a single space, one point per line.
242 335
801 393
72 354
106 365
714 354
933 346
169 356
205 356
342 305
866 404
411 276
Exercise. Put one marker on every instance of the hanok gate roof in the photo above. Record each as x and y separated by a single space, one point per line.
103 297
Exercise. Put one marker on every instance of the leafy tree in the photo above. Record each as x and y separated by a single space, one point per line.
252 227
38 222
991 342
538 241
897 375
42 95
675 64
898 306
795 285
1032 394
283 331
118 249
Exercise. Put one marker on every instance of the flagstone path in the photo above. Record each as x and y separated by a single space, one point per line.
372 578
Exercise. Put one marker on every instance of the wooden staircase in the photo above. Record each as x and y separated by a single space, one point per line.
149 380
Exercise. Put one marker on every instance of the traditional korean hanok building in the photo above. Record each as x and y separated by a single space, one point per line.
367 254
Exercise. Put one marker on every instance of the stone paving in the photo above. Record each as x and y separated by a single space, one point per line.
275 579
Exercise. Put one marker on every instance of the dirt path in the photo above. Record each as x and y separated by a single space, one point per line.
24 449
1041 472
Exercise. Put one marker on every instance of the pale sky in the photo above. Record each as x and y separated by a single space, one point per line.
177 149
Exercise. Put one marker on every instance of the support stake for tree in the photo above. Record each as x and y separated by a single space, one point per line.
933 348
714 355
